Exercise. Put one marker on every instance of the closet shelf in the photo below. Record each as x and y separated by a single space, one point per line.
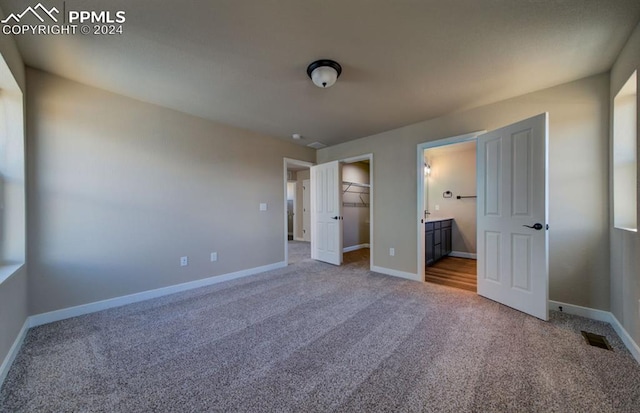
349 185
363 189
355 204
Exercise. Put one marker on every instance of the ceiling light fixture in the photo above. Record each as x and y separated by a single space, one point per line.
324 72
296 136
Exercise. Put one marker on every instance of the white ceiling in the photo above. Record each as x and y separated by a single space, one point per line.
243 62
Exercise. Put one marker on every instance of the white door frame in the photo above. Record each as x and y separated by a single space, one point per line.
420 168
286 163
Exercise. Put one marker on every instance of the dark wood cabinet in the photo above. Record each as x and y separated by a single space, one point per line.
446 240
437 240
429 245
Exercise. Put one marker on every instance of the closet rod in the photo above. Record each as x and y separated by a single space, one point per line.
355 184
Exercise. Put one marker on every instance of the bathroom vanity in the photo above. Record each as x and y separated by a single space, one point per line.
438 239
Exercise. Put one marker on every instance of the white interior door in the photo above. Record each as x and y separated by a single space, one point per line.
512 262
306 210
326 212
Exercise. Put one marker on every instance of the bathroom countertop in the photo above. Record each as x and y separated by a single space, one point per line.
436 219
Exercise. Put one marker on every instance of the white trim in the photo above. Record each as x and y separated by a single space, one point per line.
355 247
421 147
298 239
600 315
13 351
65 313
460 254
7 271
586 312
396 273
626 338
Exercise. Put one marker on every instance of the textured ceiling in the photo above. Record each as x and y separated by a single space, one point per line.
242 62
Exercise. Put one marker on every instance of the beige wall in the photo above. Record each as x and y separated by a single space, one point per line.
454 170
355 227
13 291
119 190
578 184
625 245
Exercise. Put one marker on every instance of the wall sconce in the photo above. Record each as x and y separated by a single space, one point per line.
427 169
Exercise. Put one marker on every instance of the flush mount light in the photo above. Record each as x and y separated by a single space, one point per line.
296 136
324 72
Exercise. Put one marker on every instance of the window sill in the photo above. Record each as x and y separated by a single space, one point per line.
7 270
627 229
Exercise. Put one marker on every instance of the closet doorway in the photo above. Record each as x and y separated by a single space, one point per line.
342 211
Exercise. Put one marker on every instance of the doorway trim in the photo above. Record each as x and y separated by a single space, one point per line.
420 175
286 163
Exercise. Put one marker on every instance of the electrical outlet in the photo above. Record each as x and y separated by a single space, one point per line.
263 206
214 256
184 261
392 252
437 207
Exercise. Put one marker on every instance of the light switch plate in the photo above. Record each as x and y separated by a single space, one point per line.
263 206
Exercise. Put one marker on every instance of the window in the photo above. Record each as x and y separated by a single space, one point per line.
625 120
12 182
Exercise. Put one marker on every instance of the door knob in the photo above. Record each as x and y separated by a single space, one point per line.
537 226
334 217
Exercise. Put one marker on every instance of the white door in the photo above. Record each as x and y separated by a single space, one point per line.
306 210
326 213
512 216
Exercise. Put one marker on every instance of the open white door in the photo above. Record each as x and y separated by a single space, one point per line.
326 212
512 262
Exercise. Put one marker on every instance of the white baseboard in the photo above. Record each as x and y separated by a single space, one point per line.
396 273
459 254
626 338
355 247
600 315
592 313
44 318
298 239
13 352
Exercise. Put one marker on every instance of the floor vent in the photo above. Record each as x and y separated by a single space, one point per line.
596 340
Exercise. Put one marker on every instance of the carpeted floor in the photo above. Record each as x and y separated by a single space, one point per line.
317 338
